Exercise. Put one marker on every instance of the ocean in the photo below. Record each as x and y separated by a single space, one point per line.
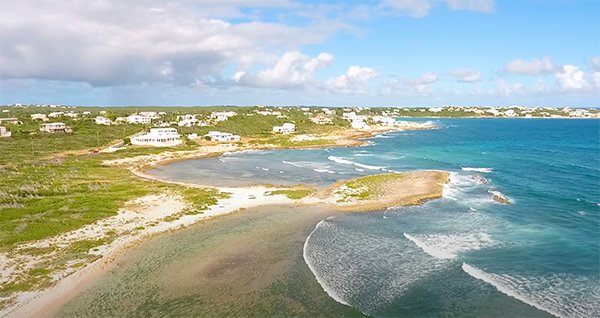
464 254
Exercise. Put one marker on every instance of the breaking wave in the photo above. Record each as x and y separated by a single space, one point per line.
350 162
561 295
482 170
449 246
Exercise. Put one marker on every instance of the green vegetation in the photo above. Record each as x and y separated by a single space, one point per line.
368 187
295 193
200 199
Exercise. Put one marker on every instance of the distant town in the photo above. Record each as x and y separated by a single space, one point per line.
51 118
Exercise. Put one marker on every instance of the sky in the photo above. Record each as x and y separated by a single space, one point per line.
287 52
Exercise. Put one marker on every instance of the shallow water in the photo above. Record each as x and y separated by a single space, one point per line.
246 264
464 254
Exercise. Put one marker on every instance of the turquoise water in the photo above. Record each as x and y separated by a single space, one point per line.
464 254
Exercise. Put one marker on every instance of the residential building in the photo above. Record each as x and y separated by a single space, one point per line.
13 120
322 120
188 122
222 136
100 120
158 137
55 128
359 124
71 115
39 116
4 132
222 116
285 128
152 115
55 114
328 111
138 119
384 120
186 117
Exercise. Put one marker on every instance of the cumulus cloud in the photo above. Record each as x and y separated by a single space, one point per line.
129 42
530 67
465 75
571 78
354 81
294 69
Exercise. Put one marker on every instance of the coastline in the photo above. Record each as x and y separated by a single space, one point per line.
48 301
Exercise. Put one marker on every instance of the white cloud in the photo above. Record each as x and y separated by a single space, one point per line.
129 42
472 5
425 79
416 86
571 78
465 75
414 8
355 81
531 67
595 63
294 69
421 8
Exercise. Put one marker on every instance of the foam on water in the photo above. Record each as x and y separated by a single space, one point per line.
354 163
449 246
324 171
312 268
368 271
482 170
562 295
292 163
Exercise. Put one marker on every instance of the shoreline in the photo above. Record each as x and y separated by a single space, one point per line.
44 302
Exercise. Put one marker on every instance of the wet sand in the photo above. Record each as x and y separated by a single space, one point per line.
244 264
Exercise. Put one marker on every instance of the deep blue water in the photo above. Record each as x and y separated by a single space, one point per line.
464 254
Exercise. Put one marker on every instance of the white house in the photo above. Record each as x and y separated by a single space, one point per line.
4 132
328 111
222 136
152 115
349 115
55 128
188 122
12 120
100 120
222 116
359 124
435 109
186 117
285 128
158 137
71 115
321 120
384 120
138 119
39 116
55 114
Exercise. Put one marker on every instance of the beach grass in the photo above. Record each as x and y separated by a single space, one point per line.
296 193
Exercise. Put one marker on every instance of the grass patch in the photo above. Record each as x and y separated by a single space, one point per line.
369 187
295 193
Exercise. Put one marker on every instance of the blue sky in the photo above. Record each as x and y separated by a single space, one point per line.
284 52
